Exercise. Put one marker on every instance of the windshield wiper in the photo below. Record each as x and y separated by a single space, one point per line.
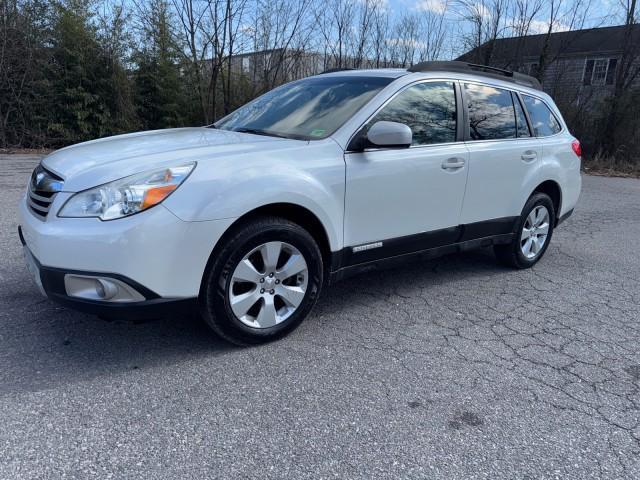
257 131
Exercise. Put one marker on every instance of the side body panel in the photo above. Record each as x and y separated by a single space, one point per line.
504 173
398 192
500 180
384 187
562 165
311 175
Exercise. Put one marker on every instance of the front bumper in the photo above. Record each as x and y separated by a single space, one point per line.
51 281
157 254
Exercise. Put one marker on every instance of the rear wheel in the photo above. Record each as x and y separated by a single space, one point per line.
534 232
263 281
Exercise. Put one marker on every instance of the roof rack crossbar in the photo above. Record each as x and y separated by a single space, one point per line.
485 70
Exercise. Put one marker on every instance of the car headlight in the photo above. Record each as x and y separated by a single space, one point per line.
128 195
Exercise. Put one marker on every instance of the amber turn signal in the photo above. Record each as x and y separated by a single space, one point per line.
155 195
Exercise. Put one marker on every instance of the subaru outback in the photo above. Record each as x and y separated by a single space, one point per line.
247 219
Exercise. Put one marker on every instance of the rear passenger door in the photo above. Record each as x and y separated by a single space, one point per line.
503 155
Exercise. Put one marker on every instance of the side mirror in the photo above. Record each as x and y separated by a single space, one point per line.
389 134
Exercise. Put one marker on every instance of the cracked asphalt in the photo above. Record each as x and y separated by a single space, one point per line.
455 368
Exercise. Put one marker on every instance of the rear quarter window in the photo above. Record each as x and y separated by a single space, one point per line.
543 121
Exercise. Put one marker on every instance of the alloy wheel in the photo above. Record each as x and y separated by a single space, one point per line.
535 232
268 284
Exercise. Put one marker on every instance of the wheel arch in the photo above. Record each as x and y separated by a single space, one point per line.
551 188
293 212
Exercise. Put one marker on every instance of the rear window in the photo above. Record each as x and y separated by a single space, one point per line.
491 113
543 121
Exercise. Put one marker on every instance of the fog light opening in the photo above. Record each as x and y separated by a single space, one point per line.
100 288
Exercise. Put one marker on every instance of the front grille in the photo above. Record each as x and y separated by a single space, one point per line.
42 190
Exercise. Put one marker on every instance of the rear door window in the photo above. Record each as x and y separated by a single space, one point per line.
491 112
543 121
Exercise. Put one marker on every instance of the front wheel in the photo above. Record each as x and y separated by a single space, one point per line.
534 232
263 281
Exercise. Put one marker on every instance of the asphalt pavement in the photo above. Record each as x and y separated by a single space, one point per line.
455 368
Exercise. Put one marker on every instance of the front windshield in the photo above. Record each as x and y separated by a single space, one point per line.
312 108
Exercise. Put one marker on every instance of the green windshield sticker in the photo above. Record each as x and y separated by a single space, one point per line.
318 132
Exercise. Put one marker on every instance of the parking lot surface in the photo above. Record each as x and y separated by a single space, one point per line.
452 368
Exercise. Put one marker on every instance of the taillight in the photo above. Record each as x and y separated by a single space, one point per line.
577 149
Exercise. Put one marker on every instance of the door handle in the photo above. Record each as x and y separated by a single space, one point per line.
529 156
453 163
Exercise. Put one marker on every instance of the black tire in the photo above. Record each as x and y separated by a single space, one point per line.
511 254
214 292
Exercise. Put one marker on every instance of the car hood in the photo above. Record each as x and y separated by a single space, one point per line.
88 164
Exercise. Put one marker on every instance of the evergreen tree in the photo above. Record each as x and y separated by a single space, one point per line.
80 73
25 95
117 42
159 91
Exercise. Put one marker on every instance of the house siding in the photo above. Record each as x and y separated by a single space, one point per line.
563 76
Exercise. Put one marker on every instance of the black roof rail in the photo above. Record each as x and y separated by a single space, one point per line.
338 69
485 70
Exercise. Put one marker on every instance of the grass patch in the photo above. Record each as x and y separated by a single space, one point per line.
611 166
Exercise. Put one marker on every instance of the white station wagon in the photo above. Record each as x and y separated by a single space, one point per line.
248 218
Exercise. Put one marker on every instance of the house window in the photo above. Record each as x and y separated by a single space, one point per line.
599 71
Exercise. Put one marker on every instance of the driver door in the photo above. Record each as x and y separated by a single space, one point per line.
401 200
